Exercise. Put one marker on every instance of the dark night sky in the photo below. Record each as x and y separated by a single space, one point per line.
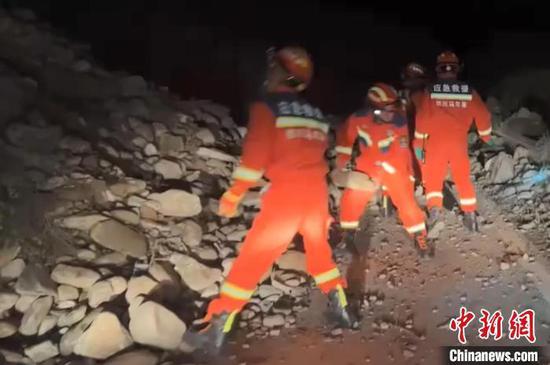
214 49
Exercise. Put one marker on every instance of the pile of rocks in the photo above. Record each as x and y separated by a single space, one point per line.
133 175
87 305
517 183
514 172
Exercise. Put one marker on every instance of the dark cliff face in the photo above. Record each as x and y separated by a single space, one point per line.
215 50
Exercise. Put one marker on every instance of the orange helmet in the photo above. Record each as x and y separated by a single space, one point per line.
297 63
447 58
413 71
447 61
381 95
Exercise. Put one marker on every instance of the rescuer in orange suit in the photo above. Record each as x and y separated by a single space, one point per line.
414 79
286 141
385 157
443 119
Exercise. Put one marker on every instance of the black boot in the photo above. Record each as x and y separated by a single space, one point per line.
211 339
338 309
470 221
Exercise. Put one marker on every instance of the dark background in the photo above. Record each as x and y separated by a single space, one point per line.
215 49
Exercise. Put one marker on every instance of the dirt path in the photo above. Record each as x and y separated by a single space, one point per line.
411 300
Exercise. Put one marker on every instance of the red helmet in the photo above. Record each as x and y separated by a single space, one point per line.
381 95
413 71
447 57
447 61
297 62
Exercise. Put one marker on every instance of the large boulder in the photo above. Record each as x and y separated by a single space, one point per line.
195 275
71 337
502 168
13 270
104 338
72 317
78 277
24 302
42 351
175 203
82 222
35 315
66 292
205 136
170 145
106 290
7 329
128 187
189 231
120 238
47 324
125 216
152 324
168 169
139 285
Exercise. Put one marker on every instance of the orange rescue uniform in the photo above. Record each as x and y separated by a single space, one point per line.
286 140
443 119
386 158
411 100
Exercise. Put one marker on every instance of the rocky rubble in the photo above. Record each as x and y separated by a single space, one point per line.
515 177
132 177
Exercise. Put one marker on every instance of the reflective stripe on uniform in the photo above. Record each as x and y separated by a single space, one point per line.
236 292
434 194
228 195
420 135
349 224
327 276
344 150
388 168
342 296
416 228
299 122
365 136
385 142
229 322
448 96
485 132
470 201
247 174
